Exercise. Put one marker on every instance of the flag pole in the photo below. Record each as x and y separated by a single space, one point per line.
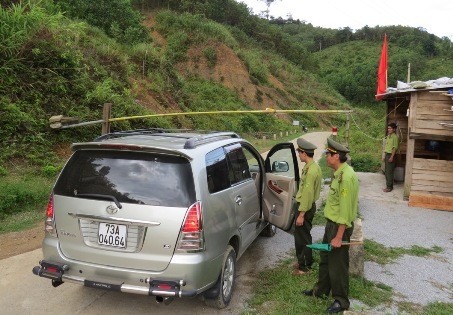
409 72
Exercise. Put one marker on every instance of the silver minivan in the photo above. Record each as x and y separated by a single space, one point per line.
164 213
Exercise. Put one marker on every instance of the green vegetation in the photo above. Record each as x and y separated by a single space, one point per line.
383 255
70 57
23 196
276 291
438 309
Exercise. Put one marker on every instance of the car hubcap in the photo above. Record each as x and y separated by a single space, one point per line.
228 276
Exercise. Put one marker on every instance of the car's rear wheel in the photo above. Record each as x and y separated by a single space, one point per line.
225 284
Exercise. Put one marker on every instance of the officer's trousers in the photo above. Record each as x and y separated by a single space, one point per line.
334 267
302 237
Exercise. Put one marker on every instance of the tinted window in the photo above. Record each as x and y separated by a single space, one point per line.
239 165
217 170
131 177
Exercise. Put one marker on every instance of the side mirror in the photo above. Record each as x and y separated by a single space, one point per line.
280 166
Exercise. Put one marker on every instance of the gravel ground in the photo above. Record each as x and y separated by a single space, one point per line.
388 220
420 280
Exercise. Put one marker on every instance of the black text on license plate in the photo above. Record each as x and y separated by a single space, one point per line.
112 234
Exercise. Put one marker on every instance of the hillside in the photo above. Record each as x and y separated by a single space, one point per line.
64 57
59 66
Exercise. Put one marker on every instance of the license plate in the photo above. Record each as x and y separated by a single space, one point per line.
111 234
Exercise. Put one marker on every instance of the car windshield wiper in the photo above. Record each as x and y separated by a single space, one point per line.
99 196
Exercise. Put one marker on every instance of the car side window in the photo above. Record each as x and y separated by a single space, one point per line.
217 170
239 165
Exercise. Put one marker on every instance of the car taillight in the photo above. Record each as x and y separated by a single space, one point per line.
191 238
49 225
192 223
49 211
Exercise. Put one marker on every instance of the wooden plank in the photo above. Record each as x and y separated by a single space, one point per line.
432 124
431 202
430 134
437 117
437 107
433 96
443 179
422 186
433 101
434 165
438 174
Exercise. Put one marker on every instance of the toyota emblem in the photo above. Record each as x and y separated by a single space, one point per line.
111 209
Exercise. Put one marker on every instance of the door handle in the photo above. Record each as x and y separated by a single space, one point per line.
273 211
238 200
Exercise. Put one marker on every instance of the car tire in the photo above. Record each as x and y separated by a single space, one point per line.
269 231
225 283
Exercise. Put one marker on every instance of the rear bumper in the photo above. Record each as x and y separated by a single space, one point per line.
185 276
56 272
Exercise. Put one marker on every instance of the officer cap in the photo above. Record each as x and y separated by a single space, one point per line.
306 146
335 147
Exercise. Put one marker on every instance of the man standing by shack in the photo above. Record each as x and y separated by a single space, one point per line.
308 193
391 145
340 211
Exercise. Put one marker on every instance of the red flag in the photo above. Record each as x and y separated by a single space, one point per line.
382 71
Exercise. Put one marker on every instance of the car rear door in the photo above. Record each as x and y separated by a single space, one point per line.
122 208
280 185
246 196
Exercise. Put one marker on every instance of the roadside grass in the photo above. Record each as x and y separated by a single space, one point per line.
23 197
277 291
383 255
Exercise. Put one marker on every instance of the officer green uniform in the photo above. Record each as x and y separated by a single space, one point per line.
391 145
341 208
308 193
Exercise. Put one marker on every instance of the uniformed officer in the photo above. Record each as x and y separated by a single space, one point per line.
308 193
391 146
340 211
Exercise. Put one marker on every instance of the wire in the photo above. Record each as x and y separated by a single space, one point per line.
358 128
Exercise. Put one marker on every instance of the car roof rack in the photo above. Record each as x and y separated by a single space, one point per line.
196 141
135 132
204 136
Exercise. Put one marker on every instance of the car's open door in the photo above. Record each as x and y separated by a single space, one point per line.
280 186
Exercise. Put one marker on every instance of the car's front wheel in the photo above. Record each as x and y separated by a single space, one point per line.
225 284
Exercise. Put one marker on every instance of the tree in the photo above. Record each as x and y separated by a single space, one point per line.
268 4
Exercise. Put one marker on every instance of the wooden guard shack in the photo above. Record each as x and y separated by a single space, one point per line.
425 129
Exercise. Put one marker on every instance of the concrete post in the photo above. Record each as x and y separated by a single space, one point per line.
357 252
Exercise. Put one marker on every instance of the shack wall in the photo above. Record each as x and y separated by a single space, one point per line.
424 119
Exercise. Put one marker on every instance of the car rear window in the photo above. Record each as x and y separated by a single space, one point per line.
131 177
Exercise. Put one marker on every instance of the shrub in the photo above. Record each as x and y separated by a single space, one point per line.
117 18
211 56
50 171
17 197
365 162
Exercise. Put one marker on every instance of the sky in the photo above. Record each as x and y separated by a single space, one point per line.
434 16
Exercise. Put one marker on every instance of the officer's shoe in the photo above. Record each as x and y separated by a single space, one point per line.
308 292
335 308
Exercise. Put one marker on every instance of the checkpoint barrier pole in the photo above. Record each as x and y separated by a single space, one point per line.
61 122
